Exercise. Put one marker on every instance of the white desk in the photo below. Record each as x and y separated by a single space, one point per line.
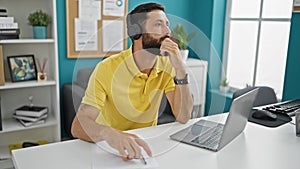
257 147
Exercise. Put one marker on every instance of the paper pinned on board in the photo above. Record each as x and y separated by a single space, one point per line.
90 9
113 7
107 157
86 26
113 35
86 35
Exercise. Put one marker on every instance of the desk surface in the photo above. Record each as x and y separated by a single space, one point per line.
258 147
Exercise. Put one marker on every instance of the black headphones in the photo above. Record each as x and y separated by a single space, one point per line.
133 30
134 19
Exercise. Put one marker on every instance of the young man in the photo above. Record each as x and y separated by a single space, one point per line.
125 90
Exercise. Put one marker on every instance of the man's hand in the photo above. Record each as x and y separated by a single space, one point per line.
172 49
85 128
128 145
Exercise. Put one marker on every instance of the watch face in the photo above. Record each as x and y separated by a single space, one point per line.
181 81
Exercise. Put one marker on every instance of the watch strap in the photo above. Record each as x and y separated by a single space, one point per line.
181 81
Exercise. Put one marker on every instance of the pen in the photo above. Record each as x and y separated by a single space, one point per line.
143 160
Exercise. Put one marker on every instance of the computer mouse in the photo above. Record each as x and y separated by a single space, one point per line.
264 115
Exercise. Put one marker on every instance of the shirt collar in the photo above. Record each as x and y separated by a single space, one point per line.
132 67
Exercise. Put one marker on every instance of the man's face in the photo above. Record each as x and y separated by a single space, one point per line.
156 29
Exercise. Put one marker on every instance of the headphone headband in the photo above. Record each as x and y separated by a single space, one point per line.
135 17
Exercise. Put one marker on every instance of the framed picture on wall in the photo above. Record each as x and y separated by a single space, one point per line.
22 68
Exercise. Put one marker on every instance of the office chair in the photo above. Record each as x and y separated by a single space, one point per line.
266 95
165 114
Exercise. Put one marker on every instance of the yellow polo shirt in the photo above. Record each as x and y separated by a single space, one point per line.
127 98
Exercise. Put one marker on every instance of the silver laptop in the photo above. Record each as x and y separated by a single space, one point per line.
214 136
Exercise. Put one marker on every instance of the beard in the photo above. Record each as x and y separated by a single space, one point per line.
151 44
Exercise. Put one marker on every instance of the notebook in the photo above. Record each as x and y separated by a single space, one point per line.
214 136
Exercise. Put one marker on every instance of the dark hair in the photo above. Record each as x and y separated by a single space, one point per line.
137 16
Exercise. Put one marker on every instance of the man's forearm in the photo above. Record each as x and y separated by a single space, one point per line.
183 103
84 126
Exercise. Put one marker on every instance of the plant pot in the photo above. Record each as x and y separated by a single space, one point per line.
184 54
39 32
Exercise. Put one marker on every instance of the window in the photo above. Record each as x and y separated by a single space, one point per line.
256 42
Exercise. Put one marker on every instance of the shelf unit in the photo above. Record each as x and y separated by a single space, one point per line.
46 93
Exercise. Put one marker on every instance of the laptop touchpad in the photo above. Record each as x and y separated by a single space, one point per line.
202 126
198 129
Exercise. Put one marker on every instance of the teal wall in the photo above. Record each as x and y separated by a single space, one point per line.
179 7
209 17
215 68
292 74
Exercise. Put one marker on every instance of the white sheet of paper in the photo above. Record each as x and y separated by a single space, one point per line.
113 35
86 35
107 157
90 9
113 7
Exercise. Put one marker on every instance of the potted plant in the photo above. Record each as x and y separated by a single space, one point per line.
182 37
224 85
39 20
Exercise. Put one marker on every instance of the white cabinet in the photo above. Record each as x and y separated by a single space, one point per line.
197 71
15 94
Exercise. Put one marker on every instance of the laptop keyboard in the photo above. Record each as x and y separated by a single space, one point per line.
210 137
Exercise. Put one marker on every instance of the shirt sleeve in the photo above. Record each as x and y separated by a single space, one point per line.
170 86
95 94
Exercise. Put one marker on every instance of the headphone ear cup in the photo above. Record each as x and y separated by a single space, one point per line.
134 31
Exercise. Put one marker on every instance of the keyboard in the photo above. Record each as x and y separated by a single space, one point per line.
289 107
210 137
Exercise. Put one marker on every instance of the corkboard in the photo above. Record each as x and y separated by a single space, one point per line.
71 14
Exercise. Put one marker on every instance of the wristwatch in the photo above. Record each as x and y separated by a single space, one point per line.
181 81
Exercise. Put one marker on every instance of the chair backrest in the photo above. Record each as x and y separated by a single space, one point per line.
83 76
266 95
165 114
